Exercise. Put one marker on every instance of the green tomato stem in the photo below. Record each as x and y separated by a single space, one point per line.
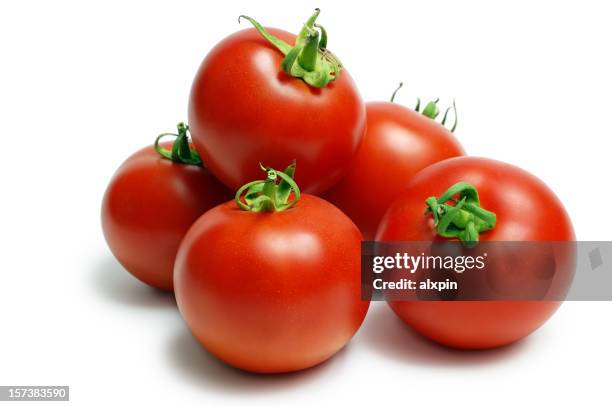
431 110
269 195
182 152
308 59
464 220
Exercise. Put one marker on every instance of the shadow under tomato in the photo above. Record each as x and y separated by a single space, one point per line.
116 284
389 336
203 369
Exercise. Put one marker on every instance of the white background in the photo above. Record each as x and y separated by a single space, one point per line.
83 85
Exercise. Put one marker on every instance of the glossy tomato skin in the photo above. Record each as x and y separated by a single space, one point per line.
527 210
244 109
148 207
271 292
397 144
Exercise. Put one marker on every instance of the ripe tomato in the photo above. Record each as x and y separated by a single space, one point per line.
398 143
150 204
275 287
526 209
245 109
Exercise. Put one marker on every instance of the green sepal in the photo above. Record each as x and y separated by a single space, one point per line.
284 188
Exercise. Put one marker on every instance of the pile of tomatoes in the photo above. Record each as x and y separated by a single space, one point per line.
256 221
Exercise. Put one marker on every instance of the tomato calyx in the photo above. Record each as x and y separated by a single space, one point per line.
182 151
431 109
308 58
465 219
271 194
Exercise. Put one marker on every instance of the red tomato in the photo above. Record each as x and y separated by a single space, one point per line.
148 207
244 109
526 209
271 291
397 144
